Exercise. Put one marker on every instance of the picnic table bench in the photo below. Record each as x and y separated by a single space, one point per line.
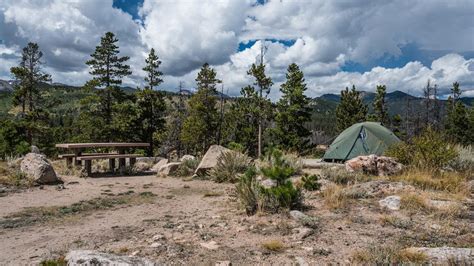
78 156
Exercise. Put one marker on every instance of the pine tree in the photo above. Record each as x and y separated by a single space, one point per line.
293 112
29 76
379 105
153 75
457 122
108 70
351 109
151 104
200 127
264 84
397 126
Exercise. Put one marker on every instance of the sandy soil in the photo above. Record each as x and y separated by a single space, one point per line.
183 216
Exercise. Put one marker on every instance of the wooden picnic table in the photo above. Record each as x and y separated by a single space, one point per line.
78 156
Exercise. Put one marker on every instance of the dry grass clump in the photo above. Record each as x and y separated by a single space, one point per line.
396 222
230 166
341 176
443 181
273 245
10 175
388 255
335 197
415 203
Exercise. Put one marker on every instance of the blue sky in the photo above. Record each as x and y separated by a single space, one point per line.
401 44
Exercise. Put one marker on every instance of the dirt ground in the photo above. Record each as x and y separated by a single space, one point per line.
192 221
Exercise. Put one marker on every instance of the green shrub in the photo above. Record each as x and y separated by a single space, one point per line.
310 182
430 150
230 165
187 167
247 191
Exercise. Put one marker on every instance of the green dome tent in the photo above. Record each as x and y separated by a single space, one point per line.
360 139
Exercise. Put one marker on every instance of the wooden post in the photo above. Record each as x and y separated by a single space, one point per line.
133 160
112 165
88 165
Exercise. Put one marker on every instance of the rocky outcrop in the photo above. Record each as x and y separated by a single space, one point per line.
374 165
446 255
391 202
158 165
379 188
168 169
210 159
37 167
92 257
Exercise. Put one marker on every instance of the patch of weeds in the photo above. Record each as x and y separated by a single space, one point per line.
396 222
341 176
273 245
212 194
187 167
35 215
61 261
128 192
147 194
415 203
425 179
387 255
310 182
334 197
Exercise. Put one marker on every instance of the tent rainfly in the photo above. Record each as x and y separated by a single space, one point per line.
360 139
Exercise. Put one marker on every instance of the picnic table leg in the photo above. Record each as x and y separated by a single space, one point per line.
88 165
68 162
112 165
77 153
121 160
132 161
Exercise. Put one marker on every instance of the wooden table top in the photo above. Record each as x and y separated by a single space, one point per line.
100 145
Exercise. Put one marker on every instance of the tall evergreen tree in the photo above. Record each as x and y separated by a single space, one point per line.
29 75
351 109
200 127
108 69
457 122
293 112
379 104
151 104
264 85
153 75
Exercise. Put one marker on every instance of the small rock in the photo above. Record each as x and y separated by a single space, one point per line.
300 261
212 245
155 245
158 237
35 149
435 226
92 257
268 183
298 216
223 263
391 203
301 233
187 157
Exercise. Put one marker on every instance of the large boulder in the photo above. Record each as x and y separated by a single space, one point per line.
144 164
209 160
168 169
374 165
37 167
158 165
92 257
